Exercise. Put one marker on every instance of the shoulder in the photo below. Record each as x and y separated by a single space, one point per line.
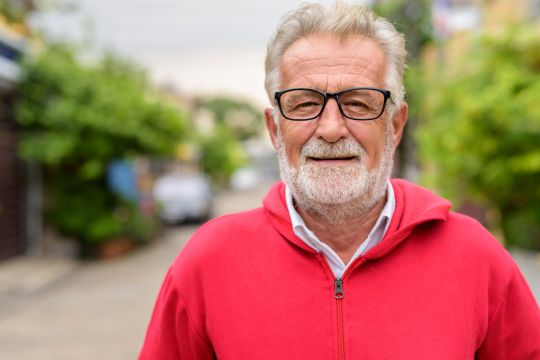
471 249
470 234
221 230
443 230
223 238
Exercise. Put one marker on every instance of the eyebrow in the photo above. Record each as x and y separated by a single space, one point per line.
293 96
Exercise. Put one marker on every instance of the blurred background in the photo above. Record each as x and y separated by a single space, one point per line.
125 124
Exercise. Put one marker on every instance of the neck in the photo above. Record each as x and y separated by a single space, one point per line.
343 227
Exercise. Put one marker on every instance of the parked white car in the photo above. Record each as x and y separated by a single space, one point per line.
183 197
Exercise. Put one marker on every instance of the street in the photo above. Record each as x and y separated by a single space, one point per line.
100 310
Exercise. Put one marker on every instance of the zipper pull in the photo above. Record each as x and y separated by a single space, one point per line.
338 288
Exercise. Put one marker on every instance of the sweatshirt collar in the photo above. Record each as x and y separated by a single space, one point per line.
414 206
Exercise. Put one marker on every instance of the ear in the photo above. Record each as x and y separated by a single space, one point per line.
398 123
271 126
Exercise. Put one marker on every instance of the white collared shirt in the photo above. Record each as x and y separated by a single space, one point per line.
375 235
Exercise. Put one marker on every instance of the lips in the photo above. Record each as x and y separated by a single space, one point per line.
331 158
332 161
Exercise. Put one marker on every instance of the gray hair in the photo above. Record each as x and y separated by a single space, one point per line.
342 20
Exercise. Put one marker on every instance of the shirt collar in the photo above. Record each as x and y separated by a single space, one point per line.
375 236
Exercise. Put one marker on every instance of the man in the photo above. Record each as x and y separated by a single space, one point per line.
340 262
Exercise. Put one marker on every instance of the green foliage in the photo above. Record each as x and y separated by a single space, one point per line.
76 205
234 121
412 18
85 116
241 117
13 11
75 119
222 154
483 131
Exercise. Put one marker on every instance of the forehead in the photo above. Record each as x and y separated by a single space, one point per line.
328 63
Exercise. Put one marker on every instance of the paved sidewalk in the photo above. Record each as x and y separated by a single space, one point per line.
25 278
529 264
87 311
58 309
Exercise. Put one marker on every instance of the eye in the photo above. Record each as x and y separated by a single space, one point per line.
301 103
307 104
356 104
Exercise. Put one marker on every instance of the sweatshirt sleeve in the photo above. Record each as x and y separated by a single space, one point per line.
171 335
514 326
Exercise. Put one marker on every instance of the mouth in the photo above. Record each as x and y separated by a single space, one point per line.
333 161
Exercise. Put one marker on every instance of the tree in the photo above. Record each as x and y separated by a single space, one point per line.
412 18
240 116
75 119
16 11
482 129
232 121
221 154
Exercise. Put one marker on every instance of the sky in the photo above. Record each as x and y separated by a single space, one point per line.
199 47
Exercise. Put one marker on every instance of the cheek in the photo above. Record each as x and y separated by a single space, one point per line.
372 137
295 135
375 153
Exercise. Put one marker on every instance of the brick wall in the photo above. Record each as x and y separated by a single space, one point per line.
13 239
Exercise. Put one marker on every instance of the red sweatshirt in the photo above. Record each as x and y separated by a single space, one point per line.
437 287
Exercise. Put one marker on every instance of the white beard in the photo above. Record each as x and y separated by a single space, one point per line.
337 193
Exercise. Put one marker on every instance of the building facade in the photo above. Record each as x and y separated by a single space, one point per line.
13 185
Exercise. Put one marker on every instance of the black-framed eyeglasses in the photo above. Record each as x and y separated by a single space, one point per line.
359 103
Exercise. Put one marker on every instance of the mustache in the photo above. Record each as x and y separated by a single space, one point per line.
318 148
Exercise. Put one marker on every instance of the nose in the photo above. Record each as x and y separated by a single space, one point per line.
331 124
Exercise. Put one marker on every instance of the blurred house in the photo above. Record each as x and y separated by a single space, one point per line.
455 22
14 227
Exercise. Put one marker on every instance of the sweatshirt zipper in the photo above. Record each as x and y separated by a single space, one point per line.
339 294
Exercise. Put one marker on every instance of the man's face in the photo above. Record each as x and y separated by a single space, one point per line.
332 158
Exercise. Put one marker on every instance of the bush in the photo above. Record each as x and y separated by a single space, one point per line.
221 154
232 121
